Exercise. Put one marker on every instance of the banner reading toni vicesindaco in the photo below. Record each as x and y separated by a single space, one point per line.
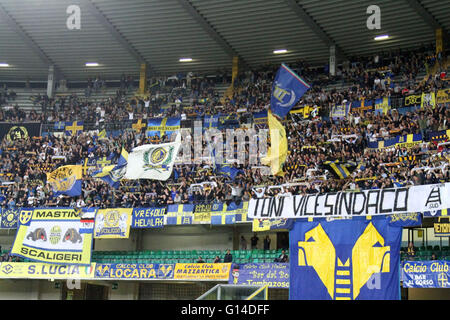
424 198
56 235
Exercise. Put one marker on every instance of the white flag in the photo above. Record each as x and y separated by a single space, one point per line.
153 161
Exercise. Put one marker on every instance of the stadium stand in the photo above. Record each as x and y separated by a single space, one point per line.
380 121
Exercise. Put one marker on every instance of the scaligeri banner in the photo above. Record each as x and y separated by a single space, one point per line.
113 223
37 270
54 235
202 271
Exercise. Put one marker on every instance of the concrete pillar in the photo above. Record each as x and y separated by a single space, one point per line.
51 81
332 60
143 79
235 69
439 41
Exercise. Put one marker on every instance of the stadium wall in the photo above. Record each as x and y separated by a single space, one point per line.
28 290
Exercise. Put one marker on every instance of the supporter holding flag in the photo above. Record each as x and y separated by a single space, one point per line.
114 173
66 180
287 90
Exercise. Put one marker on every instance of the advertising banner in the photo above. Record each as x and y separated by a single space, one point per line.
202 271
53 235
275 275
134 271
426 274
27 270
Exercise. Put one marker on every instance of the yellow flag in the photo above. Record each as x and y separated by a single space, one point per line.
66 180
277 152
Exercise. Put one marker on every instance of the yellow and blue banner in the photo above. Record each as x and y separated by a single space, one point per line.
228 170
382 105
340 111
134 271
287 90
179 214
202 213
273 275
344 259
66 180
259 225
9 218
73 128
113 223
428 100
211 121
37 270
443 96
413 100
412 219
426 274
406 141
362 106
221 213
162 126
202 271
53 235
339 169
148 217
138 125
439 136
260 119
442 227
11 131
112 174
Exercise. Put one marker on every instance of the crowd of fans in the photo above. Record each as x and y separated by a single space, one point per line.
311 143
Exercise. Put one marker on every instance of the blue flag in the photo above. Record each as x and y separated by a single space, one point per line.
287 90
228 170
345 259
112 174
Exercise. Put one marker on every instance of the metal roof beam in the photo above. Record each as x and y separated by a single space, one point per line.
306 18
4 15
103 20
427 17
210 30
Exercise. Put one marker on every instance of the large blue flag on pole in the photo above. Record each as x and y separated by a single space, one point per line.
287 90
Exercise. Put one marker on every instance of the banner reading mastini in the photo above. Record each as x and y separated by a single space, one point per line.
54 235
425 198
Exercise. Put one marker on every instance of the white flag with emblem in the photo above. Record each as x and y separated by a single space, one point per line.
153 161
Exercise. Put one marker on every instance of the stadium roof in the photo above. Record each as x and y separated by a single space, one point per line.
119 34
